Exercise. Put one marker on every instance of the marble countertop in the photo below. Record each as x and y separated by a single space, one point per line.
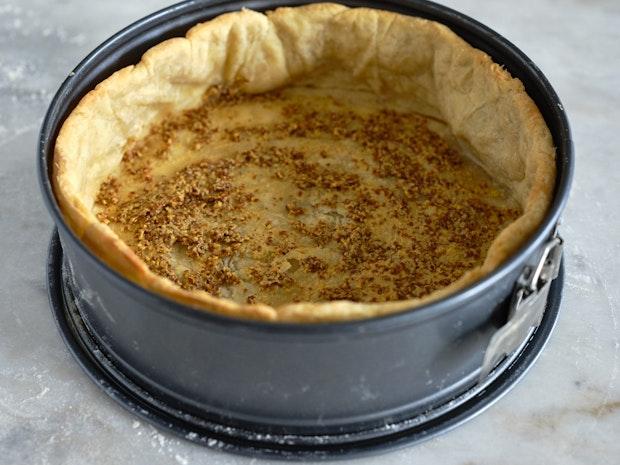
565 411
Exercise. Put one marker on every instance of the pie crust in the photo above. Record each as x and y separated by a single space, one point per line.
365 69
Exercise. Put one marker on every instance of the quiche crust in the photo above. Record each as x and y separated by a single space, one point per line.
414 65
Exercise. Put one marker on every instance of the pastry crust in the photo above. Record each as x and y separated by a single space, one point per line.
417 62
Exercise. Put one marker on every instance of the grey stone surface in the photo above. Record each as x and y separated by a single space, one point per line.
566 411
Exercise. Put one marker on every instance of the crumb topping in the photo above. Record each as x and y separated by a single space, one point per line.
286 197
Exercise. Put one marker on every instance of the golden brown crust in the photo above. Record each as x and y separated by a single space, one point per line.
420 64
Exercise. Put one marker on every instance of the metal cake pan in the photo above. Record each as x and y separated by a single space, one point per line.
293 386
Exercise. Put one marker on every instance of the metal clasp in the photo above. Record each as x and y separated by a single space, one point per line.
527 306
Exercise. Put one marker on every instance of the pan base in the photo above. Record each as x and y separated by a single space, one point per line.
438 419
